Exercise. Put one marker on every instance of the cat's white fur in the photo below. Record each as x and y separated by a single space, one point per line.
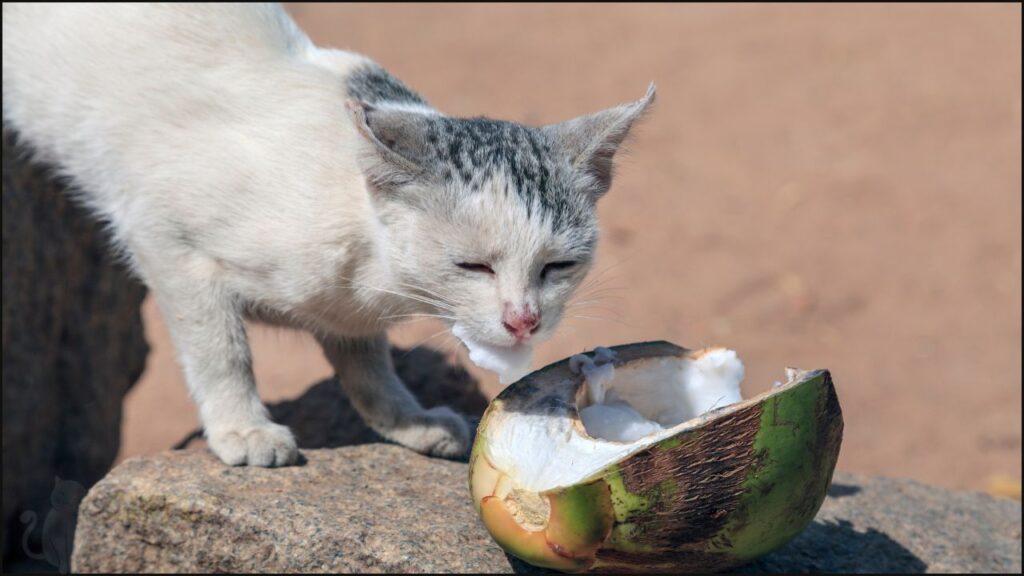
215 141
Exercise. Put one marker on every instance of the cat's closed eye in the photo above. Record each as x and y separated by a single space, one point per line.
476 267
556 266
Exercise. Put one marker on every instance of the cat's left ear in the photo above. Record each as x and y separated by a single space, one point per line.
593 140
396 141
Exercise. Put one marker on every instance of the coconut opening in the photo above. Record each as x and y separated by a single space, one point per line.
646 397
619 409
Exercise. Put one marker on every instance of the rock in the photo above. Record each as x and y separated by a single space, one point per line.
368 508
73 345
884 525
382 508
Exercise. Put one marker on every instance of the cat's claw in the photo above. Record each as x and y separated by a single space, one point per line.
266 445
436 431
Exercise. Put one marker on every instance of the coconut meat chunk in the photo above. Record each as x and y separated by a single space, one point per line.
617 420
622 410
510 363
665 394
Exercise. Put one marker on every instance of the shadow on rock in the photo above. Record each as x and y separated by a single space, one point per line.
517 566
838 547
842 490
824 547
323 417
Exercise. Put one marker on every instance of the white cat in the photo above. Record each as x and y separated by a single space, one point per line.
244 172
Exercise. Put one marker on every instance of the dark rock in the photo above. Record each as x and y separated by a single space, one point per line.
73 345
382 508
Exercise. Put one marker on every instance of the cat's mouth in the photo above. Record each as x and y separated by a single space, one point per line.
510 363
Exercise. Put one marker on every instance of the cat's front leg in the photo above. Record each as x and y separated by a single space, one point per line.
208 330
367 376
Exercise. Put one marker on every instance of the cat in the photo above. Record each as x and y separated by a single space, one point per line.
58 528
245 173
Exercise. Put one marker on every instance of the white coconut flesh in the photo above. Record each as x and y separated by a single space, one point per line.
510 363
622 411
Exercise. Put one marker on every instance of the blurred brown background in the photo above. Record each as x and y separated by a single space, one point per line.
818 186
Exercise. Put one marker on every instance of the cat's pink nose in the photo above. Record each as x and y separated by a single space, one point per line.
520 323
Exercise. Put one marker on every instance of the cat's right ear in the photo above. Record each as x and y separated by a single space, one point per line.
396 144
593 140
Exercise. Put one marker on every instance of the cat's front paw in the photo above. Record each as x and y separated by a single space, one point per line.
266 444
437 432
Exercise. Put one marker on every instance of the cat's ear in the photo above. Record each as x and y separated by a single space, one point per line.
593 140
397 147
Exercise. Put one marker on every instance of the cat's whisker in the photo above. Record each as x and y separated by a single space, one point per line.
611 311
600 277
418 315
598 293
421 343
618 262
597 306
591 292
424 300
601 285
431 293
568 325
599 318
450 347
602 299
608 303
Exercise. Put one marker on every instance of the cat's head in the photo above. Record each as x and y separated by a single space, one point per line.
494 223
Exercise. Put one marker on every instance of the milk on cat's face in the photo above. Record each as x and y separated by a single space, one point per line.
492 226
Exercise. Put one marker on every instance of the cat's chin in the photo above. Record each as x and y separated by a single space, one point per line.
510 363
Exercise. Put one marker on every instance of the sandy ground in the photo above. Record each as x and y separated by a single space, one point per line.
819 186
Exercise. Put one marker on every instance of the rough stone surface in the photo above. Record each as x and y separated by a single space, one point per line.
381 508
885 525
73 345
374 507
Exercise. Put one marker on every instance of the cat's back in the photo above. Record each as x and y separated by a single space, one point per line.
196 113
241 26
69 64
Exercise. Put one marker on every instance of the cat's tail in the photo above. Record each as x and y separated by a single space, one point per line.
30 519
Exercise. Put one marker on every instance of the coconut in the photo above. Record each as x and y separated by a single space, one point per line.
645 458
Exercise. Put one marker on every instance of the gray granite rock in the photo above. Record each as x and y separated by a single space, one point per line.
322 417
73 344
373 508
381 508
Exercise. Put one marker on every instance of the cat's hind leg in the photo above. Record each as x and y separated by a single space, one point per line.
367 376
